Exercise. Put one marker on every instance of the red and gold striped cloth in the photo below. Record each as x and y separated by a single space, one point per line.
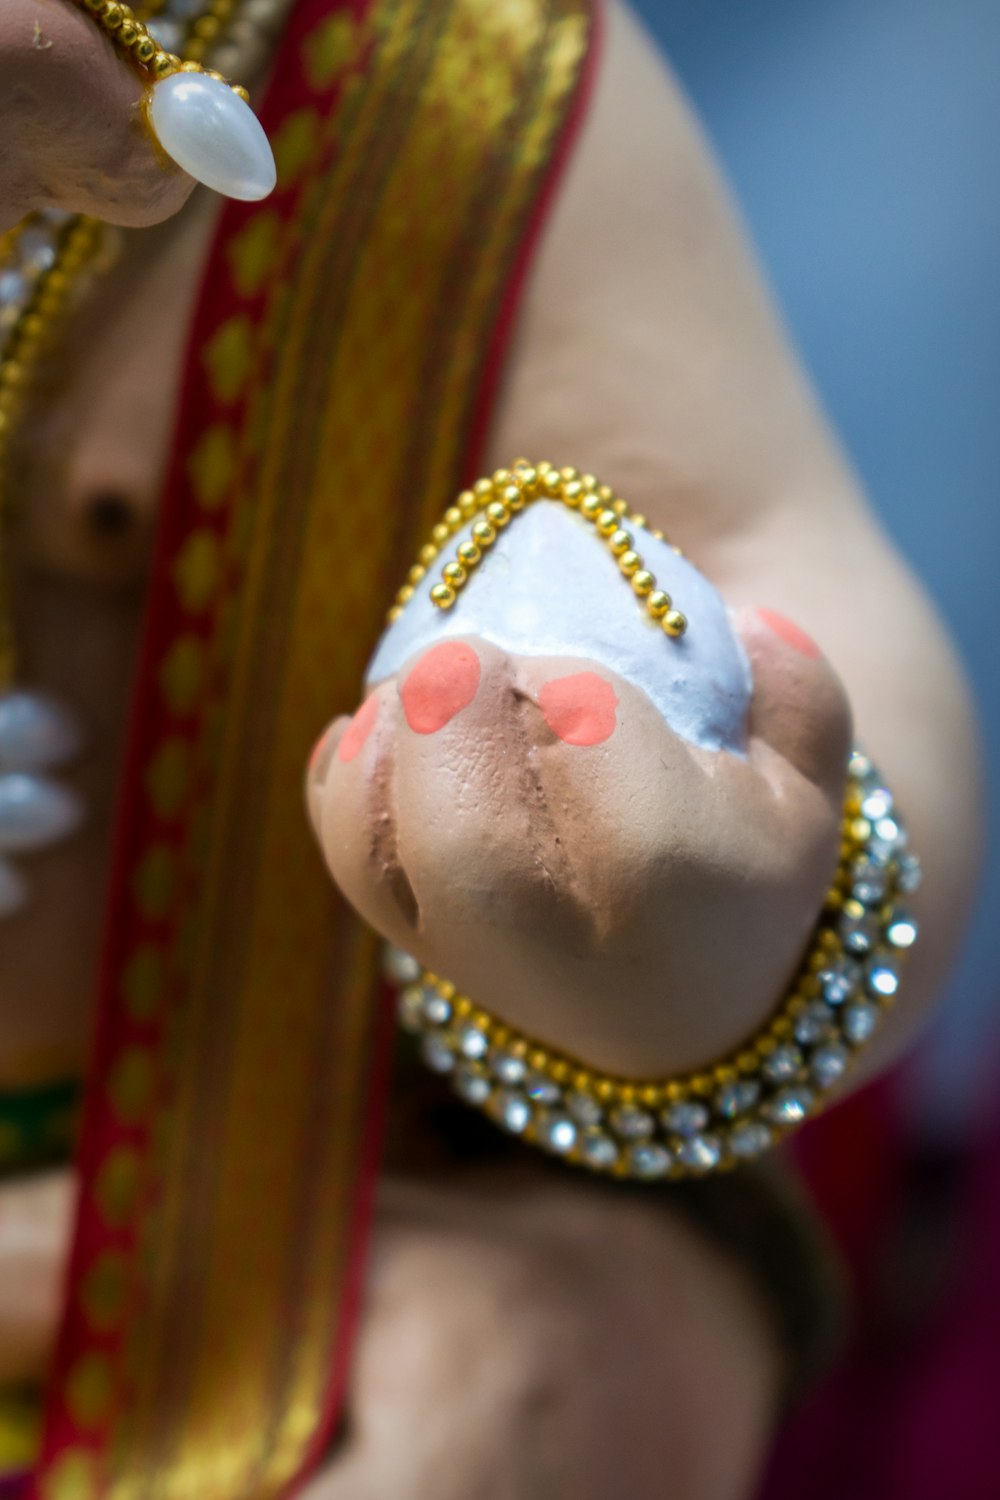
350 333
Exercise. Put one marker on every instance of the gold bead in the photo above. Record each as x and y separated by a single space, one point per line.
607 522
590 507
112 15
589 482
629 563
416 574
637 520
129 32
395 613
643 582
405 594
605 494
468 554
454 574
428 554
483 489
453 517
619 541
527 477
497 513
674 623
538 1059
568 473
468 504
483 534
441 533
514 497
443 596
619 507
551 481
145 49
502 478
560 1070
241 92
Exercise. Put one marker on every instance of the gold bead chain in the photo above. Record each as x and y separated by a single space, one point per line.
498 500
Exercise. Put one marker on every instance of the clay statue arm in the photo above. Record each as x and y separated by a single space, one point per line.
70 132
649 921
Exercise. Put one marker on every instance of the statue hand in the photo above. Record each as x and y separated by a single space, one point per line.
640 902
70 125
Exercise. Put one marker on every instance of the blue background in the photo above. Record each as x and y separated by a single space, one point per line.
862 138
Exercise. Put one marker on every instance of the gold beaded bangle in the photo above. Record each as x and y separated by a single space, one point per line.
712 1119
492 504
134 40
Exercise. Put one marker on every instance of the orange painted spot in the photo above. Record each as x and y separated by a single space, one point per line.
793 635
443 682
580 709
358 729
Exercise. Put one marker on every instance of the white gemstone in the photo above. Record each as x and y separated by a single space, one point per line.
632 1123
542 1090
213 134
749 1139
649 1160
400 967
859 930
888 837
790 1106
13 891
783 1064
860 1020
584 1108
815 1023
686 1118
37 733
869 880
35 813
472 1042
557 1132
598 1149
902 930
436 1009
507 1067
36 248
883 977
828 1064
14 290
511 1110
471 1084
701 1153
840 980
910 874
436 1053
877 803
859 766
733 1098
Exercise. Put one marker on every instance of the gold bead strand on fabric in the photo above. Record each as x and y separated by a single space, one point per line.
497 500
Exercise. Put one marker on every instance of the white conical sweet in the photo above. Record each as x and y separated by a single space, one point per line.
36 813
37 733
213 134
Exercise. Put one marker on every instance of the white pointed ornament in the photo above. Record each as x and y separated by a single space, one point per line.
213 134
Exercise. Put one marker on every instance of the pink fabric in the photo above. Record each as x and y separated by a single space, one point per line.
911 1413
